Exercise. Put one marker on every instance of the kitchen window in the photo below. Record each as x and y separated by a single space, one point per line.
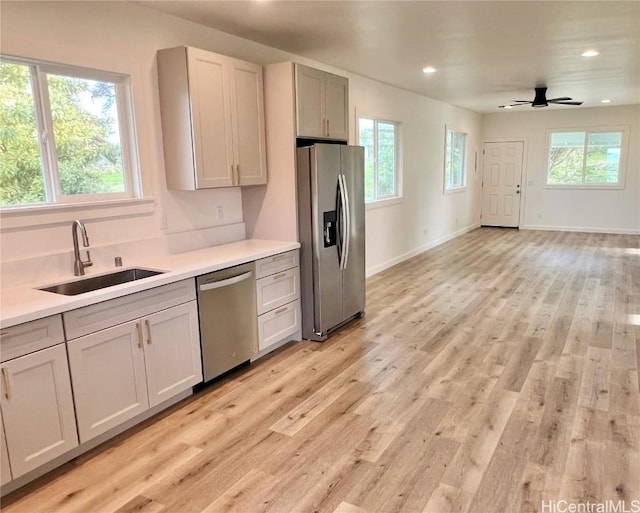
585 158
66 135
455 160
380 139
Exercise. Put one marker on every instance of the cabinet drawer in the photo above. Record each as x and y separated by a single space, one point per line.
116 311
277 290
278 324
30 337
276 263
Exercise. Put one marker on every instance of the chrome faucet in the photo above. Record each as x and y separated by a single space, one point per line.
78 263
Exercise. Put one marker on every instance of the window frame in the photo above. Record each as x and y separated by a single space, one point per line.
465 162
398 196
55 198
620 184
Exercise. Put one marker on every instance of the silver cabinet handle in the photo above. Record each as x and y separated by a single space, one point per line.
7 387
278 276
148 324
227 282
280 310
139 329
328 130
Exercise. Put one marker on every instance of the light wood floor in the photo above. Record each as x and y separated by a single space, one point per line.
491 373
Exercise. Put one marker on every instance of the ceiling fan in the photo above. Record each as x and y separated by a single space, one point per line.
540 100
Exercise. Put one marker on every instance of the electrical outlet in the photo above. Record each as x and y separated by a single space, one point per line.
220 213
163 220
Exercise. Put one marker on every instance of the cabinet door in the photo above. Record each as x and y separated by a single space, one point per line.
337 106
247 108
211 119
5 468
278 324
37 408
172 351
310 102
109 383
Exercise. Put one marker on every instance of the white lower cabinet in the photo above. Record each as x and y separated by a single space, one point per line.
278 324
278 300
5 468
108 374
122 371
37 408
172 352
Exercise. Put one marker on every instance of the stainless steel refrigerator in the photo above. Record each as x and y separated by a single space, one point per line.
331 230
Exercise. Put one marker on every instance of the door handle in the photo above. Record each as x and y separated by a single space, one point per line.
226 283
517 191
344 222
347 232
148 324
139 329
7 387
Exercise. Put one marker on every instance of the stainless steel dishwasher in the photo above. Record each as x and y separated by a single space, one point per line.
228 318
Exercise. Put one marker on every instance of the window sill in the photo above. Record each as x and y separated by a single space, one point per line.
383 203
455 190
43 215
585 187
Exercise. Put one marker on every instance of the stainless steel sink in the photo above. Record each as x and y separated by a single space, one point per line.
73 288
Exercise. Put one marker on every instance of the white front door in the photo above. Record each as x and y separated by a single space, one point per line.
501 183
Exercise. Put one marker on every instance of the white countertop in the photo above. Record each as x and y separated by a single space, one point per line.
26 303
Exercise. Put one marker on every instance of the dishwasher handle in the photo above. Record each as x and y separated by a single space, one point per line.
227 282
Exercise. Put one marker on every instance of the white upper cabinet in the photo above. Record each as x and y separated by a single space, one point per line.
212 112
322 104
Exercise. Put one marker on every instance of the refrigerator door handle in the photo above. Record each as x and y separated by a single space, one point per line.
347 230
344 221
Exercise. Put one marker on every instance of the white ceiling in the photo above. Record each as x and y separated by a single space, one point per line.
486 53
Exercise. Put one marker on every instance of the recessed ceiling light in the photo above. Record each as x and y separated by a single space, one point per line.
605 101
429 69
590 53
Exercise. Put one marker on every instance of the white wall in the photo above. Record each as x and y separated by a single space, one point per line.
121 37
615 211
124 37
425 216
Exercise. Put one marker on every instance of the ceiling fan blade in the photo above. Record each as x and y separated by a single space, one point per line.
565 103
521 101
509 105
562 99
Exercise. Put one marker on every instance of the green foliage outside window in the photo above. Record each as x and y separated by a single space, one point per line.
454 165
577 158
379 139
85 139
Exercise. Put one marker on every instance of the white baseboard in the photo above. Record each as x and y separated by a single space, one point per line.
579 229
394 261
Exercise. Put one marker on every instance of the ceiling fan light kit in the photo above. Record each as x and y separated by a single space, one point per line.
540 100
